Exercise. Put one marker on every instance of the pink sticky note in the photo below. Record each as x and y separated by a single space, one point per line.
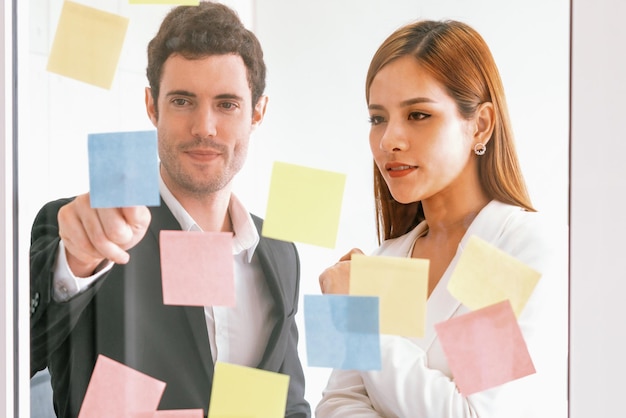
175 413
116 390
485 348
197 268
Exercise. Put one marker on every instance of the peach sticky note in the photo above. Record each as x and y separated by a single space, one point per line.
485 275
116 390
174 413
240 391
180 2
401 283
197 268
304 205
485 348
87 44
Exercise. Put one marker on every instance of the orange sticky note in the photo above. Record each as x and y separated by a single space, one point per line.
485 275
87 44
197 268
116 390
401 283
485 348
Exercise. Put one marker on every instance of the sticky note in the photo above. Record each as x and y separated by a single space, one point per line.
123 169
342 331
174 413
197 268
304 205
180 2
485 275
401 284
116 390
87 44
240 391
485 348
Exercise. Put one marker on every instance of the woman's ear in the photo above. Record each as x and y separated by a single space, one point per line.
484 123
151 106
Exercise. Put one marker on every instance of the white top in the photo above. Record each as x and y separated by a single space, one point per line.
415 379
237 335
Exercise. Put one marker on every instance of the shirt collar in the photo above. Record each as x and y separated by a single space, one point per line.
245 234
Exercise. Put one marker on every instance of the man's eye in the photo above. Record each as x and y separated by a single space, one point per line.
418 116
228 105
376 120
180 102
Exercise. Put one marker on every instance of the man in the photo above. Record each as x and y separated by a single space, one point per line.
95 273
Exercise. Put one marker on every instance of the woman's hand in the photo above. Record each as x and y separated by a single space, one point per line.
336 279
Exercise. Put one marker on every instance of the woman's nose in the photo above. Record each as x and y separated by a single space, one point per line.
394 138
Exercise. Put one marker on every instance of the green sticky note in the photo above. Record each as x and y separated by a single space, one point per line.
304 205
87 44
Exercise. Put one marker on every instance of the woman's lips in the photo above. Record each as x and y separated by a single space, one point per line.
399 169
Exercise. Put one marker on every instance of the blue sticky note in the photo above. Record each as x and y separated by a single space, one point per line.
342 331
123 169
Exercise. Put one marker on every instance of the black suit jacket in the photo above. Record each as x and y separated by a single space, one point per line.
122 316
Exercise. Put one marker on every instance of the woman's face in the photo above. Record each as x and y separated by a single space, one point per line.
420 143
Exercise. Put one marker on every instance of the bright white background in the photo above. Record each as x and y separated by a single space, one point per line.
317 55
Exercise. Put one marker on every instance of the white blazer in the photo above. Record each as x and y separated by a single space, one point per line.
415 380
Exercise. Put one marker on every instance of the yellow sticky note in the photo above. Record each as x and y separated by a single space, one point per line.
486 275
240 391
87 44
181 2
304 205
401 283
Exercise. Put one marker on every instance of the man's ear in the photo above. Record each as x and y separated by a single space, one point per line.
151 106
484 123
258 113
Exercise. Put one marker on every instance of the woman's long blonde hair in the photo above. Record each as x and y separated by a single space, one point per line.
459 58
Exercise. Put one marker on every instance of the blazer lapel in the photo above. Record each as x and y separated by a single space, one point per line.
271 271
441 305
162 219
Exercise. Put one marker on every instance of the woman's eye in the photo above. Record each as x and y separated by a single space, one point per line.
376 120
418 116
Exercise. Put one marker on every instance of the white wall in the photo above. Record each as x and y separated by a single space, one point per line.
598 223
317 55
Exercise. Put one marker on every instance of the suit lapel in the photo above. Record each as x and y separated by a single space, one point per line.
271 271
162 219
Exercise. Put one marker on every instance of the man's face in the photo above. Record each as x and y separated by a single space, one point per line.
204 122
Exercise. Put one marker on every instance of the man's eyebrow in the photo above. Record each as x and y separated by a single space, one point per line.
230 96
180 93
404 103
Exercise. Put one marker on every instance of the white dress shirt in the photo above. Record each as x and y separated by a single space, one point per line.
237 334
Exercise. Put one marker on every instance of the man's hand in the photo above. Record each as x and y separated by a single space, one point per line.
93 235
336 279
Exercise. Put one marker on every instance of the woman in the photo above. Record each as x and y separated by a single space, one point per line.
445 170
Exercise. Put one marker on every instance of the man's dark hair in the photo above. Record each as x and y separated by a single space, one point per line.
204 30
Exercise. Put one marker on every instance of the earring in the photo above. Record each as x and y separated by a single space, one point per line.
480 148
